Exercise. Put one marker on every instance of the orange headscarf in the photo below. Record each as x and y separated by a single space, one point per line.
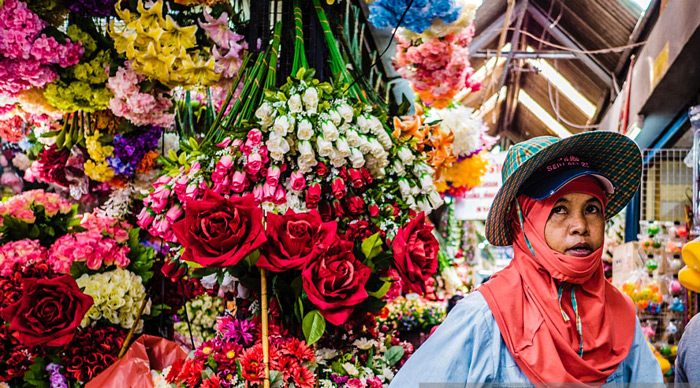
559 317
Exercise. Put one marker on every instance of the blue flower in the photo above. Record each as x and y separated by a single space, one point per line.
387 13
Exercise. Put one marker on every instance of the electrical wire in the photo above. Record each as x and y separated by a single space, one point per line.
376 62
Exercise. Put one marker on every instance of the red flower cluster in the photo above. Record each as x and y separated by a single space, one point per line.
287 357
92 351
15 359
53 165
342 198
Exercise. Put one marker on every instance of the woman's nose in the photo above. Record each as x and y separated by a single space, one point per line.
578 224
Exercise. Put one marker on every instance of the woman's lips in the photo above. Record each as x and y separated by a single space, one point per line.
580 250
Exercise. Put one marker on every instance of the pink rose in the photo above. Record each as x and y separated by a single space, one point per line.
238 182
298 181
160 199
268 192
144 218
273 176
255 136
280 196
258 193
174 213
254 164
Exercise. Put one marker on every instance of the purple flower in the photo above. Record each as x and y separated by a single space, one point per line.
56 379
238 330
97 8
130 148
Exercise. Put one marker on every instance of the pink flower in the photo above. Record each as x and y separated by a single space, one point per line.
226 162
355 383
145 218
174 213
268 192
254 136
254 164
280 196
160 199
238 182
258 193
273 176
23 252
298 181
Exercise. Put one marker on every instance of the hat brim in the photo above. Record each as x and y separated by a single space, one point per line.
545 187
614 155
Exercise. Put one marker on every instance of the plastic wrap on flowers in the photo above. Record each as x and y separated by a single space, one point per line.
420 16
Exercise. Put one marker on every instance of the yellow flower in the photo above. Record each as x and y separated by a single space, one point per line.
200 72
96 149
179 36
100 172
151 17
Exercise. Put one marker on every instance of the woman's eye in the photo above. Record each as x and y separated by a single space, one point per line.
593 209
558 210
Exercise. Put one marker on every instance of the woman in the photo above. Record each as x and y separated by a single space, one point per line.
550 316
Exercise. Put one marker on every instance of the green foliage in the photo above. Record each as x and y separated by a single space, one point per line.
313 326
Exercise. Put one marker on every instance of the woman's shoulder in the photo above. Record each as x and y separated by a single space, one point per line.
472 310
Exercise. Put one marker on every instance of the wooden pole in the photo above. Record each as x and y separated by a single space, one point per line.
265 334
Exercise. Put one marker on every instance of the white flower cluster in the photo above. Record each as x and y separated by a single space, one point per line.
117 297
308 130
380 368
458 120
202 312
418 190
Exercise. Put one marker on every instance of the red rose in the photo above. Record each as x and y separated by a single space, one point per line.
356 177
321 169
338 187
294 239
338 209
219 232
49 311
373 210
415 253
358 229
343 173
313 195
355 205
335 282
366 175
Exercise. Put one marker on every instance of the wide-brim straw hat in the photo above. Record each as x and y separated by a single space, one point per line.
614 155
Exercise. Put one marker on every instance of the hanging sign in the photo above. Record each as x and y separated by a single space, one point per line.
477 202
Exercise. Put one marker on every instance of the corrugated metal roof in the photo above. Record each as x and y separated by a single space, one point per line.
588 25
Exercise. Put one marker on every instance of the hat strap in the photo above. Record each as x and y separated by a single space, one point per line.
522 227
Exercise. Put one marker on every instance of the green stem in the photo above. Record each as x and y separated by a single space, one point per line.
299 50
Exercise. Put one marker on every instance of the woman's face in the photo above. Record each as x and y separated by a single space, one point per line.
576 225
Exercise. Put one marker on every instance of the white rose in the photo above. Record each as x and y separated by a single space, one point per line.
363 124
398 168
338 162
415 190
426 182
305 130
346 112
277 144
264 114
406 156
323 146
311 100
435 199
356 158
335 117
294 104
405 188
281 125
365 145
353 138
330 132
376 148
208 281
305 148
342 146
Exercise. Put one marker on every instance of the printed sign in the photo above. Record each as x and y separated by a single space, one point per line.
477 202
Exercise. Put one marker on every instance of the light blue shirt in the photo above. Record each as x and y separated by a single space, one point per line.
468 348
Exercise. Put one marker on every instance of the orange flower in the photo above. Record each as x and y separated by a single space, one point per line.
118 182
146 164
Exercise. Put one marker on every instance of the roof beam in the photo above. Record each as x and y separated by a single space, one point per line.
552 54
562 36
492 31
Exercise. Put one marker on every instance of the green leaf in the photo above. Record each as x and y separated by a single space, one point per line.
36 375
193 143
300 74
182 159
372 246
313 326
276 379
78 268
393 354
372 304
172 155
381 292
